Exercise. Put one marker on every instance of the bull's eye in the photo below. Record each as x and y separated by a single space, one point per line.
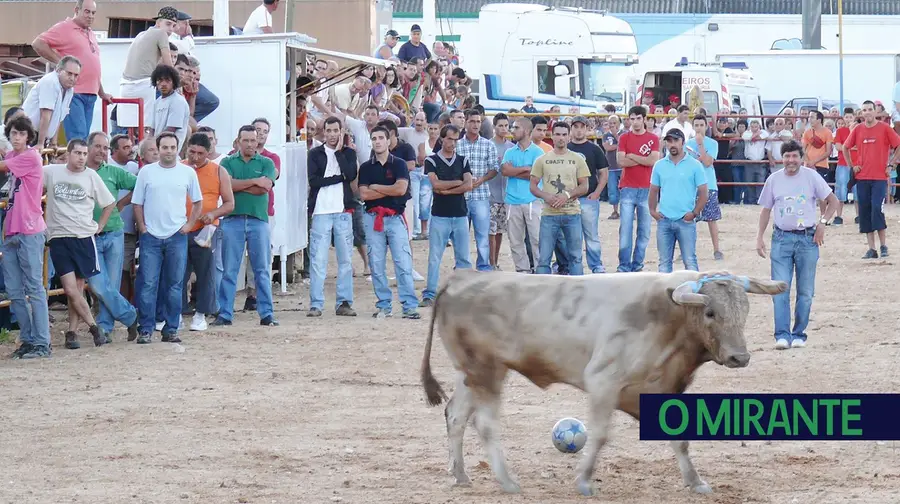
710 313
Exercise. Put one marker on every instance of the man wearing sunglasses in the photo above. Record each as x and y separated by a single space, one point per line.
74 37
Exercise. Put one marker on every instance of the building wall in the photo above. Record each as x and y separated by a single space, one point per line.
340 25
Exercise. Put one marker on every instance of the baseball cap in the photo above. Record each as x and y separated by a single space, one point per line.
170 13
580 119
183 16
674 97
392 33
415 28
674 134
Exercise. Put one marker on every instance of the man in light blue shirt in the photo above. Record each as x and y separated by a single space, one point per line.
523 214
678 192
706 150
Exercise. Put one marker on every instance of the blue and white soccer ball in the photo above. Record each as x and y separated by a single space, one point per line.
569 435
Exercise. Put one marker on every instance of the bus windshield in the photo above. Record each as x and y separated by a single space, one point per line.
605 82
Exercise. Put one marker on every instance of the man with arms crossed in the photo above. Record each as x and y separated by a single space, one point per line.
565 178
792 193
451 178
332 170
678 187
158 202
517 164
638 152
874 140
72 193
384 186
24 232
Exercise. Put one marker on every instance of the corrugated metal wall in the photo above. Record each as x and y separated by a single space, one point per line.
861 7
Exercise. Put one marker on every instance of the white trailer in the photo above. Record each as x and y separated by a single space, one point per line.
251 76
558 55
812 75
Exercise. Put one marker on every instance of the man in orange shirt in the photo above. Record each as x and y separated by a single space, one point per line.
817 142
215 183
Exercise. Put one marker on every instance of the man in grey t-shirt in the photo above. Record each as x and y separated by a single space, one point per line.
497 186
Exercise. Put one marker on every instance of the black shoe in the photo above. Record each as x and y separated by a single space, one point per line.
268 321
133 330
871 254
250 304
144 338
345 310
884 251
37 352
72 341
426 303
314 312
171 338
412 314
23 349
838 221
99 337
220 322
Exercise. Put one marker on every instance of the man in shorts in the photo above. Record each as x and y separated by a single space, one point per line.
497 186
72 193
705 150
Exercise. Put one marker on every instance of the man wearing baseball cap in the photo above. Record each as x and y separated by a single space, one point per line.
386 50
147 50
678 193
183 36
414 48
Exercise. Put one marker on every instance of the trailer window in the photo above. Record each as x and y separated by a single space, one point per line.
547 77
605 82
711 102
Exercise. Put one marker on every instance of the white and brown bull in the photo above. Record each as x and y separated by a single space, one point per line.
613 336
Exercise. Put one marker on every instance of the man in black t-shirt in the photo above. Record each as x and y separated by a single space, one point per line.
450 178
384 186
595 157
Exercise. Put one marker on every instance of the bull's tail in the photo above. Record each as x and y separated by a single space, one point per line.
434 393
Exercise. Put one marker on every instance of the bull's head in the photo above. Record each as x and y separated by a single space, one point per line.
721 312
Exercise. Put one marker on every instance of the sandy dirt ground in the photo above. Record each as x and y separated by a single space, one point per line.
331 409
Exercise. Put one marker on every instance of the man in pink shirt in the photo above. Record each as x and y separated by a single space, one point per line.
74 37
23 241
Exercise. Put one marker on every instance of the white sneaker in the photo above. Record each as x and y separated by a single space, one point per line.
199 322
782 344
160 325
417 277
798 343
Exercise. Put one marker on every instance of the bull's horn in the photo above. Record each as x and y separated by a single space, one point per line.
686 294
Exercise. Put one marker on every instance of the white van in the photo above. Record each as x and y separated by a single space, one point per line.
726 87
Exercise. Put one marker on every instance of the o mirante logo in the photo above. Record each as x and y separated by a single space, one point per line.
785 417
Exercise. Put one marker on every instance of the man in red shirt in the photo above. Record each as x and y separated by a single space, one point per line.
74 37
638 151
874 140
842 172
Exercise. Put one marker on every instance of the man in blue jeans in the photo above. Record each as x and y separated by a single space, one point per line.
331 203
252 176
481 156
638 152
590 204
565 179
158 201
793 193
451 178
384 186
110 241
678 187
24 233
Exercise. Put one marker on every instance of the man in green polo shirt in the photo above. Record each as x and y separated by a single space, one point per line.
252 176
110 242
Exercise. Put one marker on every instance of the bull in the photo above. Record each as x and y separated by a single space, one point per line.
613 336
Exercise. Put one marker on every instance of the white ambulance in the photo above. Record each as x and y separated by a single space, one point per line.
726 87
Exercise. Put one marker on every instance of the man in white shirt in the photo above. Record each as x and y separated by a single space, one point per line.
47 104
774 142
158 201
683 122
260 20
183 36
755 150
171 111
417 137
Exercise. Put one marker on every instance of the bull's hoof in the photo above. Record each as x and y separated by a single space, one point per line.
701 488
585 488
464 482
511 487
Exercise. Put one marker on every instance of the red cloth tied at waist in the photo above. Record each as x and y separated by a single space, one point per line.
380 213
